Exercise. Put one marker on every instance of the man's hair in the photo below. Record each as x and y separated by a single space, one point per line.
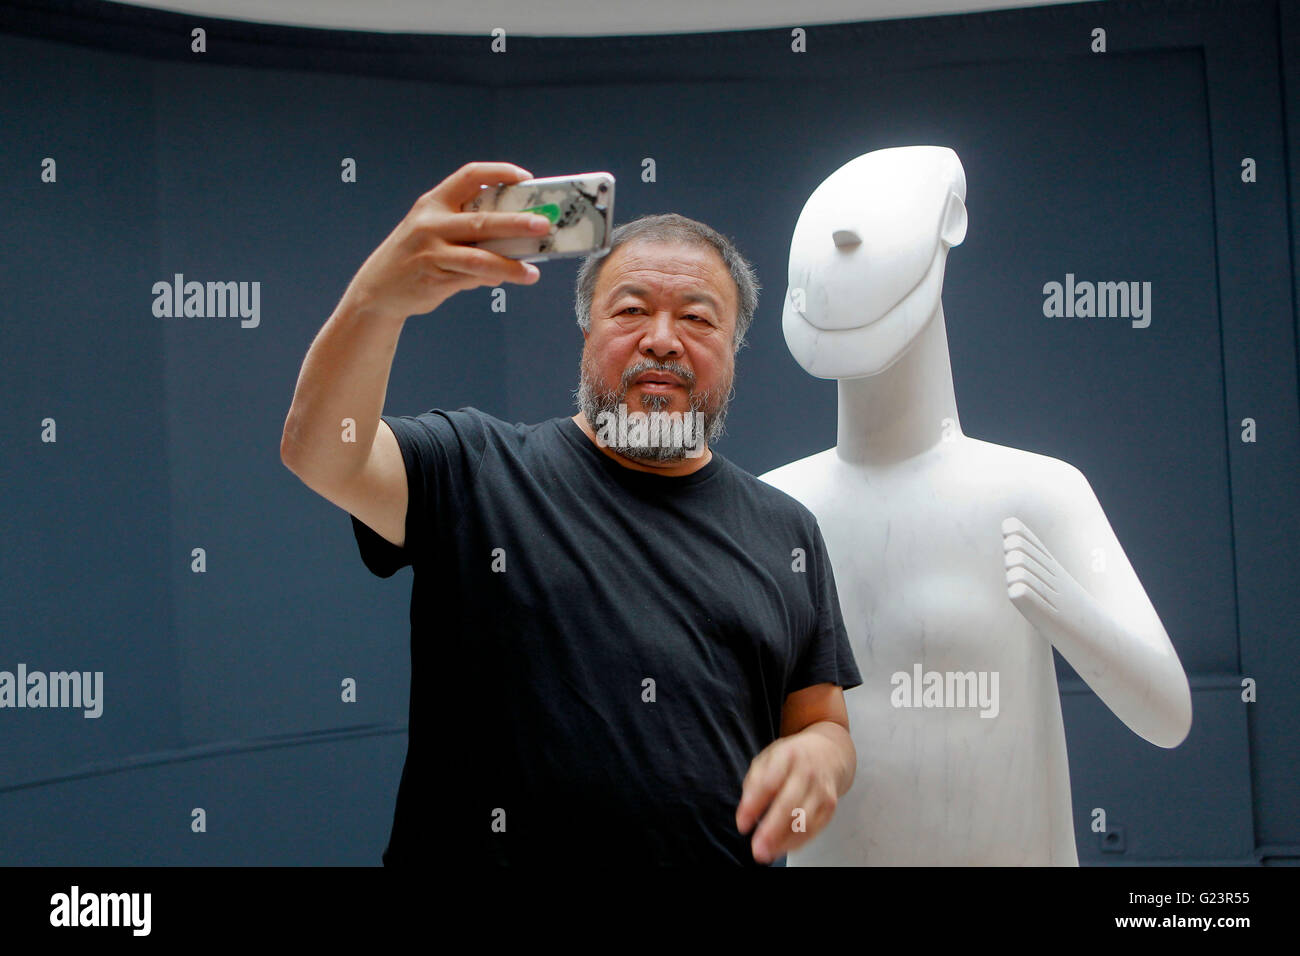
671 227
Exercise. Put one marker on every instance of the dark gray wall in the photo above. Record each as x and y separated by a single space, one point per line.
222 688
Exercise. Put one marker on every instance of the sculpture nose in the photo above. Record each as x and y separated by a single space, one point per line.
846 238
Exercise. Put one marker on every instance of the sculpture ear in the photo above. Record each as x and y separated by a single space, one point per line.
953 230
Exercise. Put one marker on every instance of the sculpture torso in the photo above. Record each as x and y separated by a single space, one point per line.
917 553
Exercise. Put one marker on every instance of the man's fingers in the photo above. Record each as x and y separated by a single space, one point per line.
464 184
487 268
776 833
477 226
761 783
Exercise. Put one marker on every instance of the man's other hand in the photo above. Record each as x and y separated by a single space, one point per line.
793 785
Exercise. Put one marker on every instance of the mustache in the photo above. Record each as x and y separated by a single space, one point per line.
672 368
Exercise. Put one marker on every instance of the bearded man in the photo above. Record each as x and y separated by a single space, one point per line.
625 649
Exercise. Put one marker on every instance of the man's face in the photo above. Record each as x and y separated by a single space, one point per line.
666 310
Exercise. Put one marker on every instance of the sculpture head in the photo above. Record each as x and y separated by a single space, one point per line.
867 259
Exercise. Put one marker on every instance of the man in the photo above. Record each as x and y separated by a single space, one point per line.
621 652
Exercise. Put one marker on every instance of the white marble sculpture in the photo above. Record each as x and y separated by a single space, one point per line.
959 563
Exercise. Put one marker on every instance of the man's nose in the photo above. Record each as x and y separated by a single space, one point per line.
661 335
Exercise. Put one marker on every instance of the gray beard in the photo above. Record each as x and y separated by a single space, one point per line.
594 400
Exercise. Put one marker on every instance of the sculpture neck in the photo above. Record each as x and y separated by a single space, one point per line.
905 410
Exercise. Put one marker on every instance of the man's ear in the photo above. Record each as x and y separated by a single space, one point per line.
953 229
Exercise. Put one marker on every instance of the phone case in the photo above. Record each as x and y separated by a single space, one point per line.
580 207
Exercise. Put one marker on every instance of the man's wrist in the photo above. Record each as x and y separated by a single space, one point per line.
846 764
355 307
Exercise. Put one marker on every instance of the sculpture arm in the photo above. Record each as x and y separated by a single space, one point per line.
1085 598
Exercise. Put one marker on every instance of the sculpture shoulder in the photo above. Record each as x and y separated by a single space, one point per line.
1033 485
801 478
1018 460
1041 482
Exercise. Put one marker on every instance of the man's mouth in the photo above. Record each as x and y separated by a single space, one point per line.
657 381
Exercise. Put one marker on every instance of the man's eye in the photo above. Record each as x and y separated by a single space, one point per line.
688 315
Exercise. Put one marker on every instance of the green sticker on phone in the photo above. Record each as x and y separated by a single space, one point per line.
550 210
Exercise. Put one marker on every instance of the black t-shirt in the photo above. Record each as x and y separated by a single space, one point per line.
597 653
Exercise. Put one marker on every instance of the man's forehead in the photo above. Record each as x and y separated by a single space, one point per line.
691 293
690 273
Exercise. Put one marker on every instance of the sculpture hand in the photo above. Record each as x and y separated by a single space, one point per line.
1119 648
1040 588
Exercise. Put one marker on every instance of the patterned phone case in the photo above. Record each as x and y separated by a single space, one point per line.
581 210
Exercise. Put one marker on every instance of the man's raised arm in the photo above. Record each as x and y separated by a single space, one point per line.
423 262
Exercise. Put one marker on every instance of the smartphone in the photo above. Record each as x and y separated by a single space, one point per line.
580 207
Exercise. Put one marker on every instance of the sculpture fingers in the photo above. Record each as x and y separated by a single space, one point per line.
1014 525
1018 542
1028 593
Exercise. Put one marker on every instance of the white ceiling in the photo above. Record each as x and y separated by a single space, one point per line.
573 17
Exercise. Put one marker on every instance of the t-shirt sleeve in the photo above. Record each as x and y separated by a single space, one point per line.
442 451
825 656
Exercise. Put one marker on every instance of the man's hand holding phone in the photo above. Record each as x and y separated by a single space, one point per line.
428 258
